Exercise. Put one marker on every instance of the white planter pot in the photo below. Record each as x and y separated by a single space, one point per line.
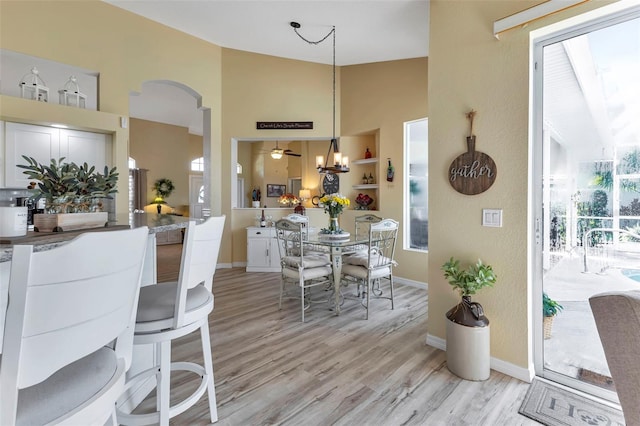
255 204
468 351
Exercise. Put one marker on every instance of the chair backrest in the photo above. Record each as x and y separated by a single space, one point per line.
617 316
68 302
382 243
289 236
302 220
200 250
363 223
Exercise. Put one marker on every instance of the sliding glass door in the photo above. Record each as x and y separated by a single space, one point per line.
587 203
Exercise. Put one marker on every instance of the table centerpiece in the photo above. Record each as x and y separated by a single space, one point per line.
334 204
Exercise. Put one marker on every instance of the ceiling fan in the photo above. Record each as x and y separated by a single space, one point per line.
277 153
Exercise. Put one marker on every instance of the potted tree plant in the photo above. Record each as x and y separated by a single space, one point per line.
550 308
468 336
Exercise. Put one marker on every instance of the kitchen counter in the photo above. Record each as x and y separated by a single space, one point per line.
48 240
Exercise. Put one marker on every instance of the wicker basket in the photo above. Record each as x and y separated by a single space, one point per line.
547 324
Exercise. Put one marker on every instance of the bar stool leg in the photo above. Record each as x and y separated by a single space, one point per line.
208 366
164 380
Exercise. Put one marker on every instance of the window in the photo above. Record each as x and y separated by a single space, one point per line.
416 184
197 165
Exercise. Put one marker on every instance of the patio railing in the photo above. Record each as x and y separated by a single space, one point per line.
618 248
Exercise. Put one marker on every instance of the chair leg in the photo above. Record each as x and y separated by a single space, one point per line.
302 300
164 380
391 283
368 292
208 366
281 292
113 419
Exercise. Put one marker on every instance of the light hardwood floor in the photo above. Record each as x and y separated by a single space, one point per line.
271 369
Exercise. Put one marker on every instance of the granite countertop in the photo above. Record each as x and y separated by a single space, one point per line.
47 240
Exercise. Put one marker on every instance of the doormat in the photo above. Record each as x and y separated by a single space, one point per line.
553 405
596 379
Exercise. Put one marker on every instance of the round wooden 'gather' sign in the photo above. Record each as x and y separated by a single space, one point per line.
473 172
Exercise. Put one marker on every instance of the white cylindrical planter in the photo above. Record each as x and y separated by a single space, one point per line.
468 351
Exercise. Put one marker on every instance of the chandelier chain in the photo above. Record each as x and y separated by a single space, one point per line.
333 30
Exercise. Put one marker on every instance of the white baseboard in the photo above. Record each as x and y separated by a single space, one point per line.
224 266
512 370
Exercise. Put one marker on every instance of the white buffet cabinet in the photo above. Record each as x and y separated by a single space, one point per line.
262 250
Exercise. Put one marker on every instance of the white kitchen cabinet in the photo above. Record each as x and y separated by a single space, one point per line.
44 143
262 250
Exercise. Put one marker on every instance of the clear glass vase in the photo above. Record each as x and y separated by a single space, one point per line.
58 204
334 225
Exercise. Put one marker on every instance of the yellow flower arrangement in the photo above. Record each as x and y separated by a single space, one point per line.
334 204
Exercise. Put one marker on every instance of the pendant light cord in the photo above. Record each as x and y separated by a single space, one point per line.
295 26
334 142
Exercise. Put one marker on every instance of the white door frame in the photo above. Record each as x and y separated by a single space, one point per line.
579 25
195 183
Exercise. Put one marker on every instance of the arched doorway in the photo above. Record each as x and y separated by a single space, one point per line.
176 104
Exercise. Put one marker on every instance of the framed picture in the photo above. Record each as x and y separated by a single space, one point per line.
275 190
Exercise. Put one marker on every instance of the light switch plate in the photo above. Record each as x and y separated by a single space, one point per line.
492 218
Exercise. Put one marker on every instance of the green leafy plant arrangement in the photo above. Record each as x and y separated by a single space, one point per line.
468 281
550 307
77 185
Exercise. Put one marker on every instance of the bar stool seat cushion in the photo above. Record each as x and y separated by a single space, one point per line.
157 303
52 398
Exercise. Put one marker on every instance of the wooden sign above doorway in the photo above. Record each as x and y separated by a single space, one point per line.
284 125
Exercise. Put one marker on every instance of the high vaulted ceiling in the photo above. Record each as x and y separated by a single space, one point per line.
366 30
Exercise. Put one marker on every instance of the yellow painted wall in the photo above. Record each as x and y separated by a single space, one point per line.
469 68
165 151
126 50
383 96
266 88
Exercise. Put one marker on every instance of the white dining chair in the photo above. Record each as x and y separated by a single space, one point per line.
69 329
375 264
302 220
304 270
363 223
167 311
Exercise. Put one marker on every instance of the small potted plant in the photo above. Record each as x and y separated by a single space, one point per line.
468 337
255 198
550 308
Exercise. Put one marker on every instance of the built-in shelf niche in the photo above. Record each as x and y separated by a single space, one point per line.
14 65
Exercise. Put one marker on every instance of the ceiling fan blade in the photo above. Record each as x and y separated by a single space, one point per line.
293 154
